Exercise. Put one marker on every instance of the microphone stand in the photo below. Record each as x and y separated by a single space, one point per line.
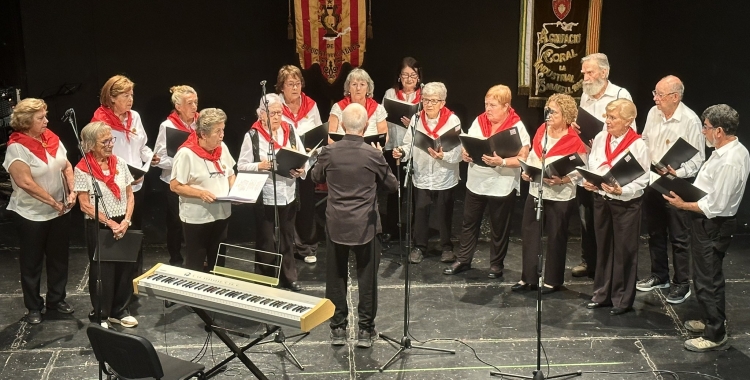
97 198
405 342
538 374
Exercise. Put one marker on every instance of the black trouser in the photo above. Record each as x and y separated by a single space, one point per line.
337 274
556 217
390 222
436 205
139 197
588 230
617 229
117 284
265 242
661 218
305 230
47 243
202 243
501 210
710 241
174 226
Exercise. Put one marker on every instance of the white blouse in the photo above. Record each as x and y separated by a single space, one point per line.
431 173
133 152
115 207
311 119
160 150
189 169
494 181
640 152
47 175
372 122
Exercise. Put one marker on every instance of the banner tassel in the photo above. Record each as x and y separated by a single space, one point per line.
369 21
289 27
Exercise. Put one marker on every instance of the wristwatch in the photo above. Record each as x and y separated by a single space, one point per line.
128 222
502 165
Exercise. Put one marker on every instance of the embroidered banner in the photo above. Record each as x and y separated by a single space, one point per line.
329 33
555 35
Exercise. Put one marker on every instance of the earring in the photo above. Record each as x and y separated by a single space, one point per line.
398 80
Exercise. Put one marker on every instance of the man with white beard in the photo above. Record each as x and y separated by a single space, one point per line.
598 91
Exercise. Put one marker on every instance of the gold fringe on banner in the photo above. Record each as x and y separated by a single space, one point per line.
595 20
369 20
289 27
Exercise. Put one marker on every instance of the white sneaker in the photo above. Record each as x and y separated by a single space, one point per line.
704 345
128 321
311 259
105 324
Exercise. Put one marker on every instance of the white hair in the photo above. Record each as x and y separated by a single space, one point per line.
354 118
601 60
359 74
207 119
271 99
91 132
435 89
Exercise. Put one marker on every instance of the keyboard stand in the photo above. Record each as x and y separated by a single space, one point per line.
237 352
281 339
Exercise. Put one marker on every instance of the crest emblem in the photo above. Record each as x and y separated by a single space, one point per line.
561 8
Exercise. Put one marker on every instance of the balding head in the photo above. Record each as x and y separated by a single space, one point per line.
354 119
673 84
668 94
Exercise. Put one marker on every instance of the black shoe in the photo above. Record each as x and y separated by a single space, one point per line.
61 307
295 287
519 287
416 256
366 337
597 305
34 317
495 273
338 336
549 290
447 256
457 268
620 310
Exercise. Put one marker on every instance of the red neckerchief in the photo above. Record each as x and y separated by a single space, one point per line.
50 142
215 157
509 122
445 113
401 97
108 180
370 105
306 104
174 117
568 144
108 116
630 136
258 126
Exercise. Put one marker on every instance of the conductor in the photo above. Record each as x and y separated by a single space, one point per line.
353 171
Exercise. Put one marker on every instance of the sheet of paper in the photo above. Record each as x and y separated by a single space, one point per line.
246 188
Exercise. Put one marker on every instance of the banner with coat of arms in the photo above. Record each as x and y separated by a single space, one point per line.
555 35
329 33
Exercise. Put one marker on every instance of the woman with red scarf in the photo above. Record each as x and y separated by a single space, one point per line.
405 89
559 195
495 185
359 88
203 169
617 210
41 176
115 110
114 179
254 156
183 118
435 173
301 112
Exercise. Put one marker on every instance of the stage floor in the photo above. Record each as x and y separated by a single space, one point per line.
492 322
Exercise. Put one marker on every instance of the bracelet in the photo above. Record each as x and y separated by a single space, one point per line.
128 222
502 165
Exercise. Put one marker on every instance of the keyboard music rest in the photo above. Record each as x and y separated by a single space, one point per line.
234 297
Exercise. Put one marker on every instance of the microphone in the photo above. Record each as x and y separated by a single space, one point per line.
547 113
67 114
262 83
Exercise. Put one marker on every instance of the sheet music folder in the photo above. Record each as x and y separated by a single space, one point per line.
175 139
447 140
686 190
558 168
626 170
314 136
505 144
679 153
122 250
397 109
371 139
590 125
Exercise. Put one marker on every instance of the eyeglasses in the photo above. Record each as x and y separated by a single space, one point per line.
705 127
293 85
662 95
432 102
412 76
109 141
212 174
275 113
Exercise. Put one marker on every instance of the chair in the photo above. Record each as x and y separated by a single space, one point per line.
133 357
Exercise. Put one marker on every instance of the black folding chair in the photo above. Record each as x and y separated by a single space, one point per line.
133 357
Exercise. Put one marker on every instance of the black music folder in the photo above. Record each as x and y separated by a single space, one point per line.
590 125
314 136
288 159
505 144
686 190
175 139
447 140
559 168
680 152
122 250
397 109
371 139
137 173
535 172
625 171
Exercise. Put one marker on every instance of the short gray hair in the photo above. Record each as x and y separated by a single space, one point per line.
601 60
207 119
359 74
271 99
354 118
724 116
91 133
179 93
435 89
